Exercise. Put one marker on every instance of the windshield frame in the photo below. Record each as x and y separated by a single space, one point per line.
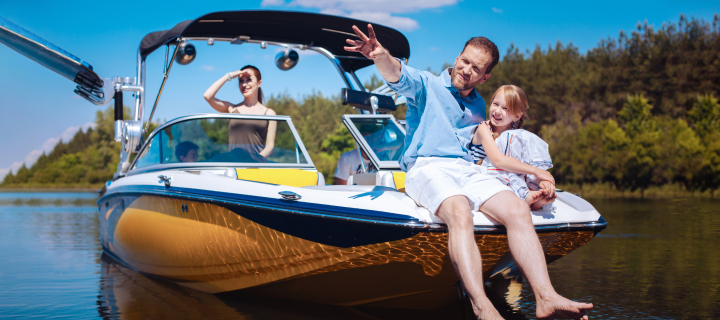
219 165
362 143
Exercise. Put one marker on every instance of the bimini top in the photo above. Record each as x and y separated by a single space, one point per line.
312 29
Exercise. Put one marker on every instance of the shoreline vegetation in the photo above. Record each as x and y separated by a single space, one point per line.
635 117
598 190
50 188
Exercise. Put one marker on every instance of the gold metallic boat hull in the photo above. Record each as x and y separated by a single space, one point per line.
214 249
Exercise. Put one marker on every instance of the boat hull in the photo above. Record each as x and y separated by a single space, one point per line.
219 247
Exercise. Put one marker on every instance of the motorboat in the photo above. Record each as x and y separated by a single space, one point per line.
269 226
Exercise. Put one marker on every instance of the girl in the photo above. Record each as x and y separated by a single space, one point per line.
509 104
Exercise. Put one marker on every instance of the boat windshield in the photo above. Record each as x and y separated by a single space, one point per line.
383 136
225 140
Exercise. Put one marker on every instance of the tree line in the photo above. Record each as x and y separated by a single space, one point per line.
88 160
634 112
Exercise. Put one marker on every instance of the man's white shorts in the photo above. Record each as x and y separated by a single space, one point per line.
432 180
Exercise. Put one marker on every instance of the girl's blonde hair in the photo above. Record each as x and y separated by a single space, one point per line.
516 102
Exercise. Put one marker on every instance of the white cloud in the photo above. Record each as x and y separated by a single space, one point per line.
46 147
396 6
269 3
496 10
377 11
207 67
434 49
386 19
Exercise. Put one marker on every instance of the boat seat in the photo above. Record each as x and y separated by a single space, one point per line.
395 180
285 177
351 188
363 179
398 178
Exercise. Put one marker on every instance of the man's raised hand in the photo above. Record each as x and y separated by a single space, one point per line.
367 46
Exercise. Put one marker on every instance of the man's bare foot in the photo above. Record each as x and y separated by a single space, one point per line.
486 312
562 308
542 201
534 196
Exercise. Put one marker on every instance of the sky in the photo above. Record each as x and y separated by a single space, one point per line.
39 107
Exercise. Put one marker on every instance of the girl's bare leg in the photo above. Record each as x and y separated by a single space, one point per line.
533 196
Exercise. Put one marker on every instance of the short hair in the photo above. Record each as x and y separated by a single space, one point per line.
183 148
489 47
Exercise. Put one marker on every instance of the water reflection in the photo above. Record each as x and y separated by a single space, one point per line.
48 256
657 259
127 294
54 199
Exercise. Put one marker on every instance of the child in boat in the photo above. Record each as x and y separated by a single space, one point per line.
509 104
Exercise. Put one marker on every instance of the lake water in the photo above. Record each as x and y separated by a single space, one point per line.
658 259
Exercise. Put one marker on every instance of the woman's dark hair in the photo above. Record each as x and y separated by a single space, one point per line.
258 76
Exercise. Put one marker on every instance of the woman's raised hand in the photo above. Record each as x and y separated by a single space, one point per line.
238 73
367 46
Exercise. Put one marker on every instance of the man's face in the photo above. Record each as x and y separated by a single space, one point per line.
190 157
469 68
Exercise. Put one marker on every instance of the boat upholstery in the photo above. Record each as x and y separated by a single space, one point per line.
363 179
395 180
285 177
399 179
351 188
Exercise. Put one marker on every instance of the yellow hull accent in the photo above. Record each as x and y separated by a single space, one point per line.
399 179
286 177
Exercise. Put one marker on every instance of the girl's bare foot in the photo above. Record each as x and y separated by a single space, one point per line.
534 196
559 307
543 201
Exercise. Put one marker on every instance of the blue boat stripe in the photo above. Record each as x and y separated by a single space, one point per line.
273 202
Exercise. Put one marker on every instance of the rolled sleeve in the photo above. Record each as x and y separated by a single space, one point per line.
411 83
343 168
465 136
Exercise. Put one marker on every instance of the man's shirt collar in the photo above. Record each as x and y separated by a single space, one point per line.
447 80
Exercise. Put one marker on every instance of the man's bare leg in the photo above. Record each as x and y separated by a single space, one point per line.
465 255
514 214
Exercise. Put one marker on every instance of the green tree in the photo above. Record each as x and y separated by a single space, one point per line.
680 153
637 117
705 115
643 150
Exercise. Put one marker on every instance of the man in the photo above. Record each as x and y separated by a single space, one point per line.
349 164
442 112
186 151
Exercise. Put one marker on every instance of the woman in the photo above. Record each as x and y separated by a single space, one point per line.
255 136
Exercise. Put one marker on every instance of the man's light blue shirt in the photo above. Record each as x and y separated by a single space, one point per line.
437 125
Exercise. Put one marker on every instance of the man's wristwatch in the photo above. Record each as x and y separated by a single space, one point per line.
229 77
